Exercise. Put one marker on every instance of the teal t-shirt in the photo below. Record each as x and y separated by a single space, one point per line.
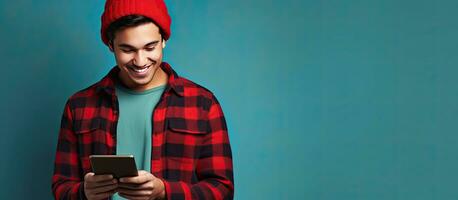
135 124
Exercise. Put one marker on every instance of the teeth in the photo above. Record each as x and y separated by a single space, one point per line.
140 70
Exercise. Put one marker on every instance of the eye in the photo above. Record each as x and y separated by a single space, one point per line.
127 50
150 49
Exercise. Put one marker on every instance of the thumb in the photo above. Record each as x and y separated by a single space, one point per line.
88 175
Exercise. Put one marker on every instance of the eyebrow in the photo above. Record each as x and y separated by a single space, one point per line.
132 47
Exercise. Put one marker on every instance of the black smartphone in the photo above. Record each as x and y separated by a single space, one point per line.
117 165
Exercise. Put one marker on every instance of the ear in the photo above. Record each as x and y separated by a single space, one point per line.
163 43
110 45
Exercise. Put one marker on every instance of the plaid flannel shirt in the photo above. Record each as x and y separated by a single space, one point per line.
191 153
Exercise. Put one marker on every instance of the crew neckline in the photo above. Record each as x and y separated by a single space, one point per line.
148 91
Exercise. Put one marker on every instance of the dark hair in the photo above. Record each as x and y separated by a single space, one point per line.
127 22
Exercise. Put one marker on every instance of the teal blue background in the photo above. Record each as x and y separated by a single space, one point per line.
324 99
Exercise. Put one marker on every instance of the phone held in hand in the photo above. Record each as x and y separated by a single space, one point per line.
117 165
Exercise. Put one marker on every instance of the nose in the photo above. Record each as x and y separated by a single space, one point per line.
140 59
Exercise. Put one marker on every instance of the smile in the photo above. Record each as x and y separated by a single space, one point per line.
140 70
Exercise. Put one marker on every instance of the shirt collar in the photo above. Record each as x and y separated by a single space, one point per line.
174 83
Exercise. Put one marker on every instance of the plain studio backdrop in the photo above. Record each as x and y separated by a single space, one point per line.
323 99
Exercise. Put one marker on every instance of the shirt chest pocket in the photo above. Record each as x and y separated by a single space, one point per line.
93 139
184 138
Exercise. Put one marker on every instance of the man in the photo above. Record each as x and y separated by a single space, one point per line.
175 128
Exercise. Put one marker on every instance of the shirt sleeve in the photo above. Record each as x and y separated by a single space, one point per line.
66 180
214 166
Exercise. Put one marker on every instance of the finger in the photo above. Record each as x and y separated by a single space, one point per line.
142 172
146 173
103 195
103 189
90 174
93 185
141 178
131 186
90 177
147 192
135 197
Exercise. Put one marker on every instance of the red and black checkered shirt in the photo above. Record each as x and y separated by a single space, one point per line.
190 145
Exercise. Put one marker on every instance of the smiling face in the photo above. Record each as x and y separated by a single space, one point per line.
138 53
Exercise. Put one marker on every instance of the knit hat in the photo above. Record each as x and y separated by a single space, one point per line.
156 10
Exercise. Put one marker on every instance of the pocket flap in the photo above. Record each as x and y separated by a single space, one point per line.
86 126
188 126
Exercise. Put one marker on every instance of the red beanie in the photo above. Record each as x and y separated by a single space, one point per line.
153 9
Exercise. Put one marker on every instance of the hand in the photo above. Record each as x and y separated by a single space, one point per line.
99 186
144 186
